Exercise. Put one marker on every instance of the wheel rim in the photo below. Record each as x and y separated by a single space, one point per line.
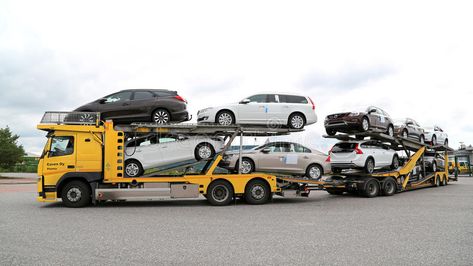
161 117
74 194
370 166
365 124
297 121
132 169
205 152
389 187
245 167
257 192
220 193
371 188
390 131
396 162
225 119
434 141
434 167
422 140
314 172
86 118
404 134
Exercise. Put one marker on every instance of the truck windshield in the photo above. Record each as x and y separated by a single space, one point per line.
62 145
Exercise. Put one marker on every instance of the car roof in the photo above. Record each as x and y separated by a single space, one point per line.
156 90
279 93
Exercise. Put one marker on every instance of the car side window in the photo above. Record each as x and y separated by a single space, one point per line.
292 99
167 139
300 148
271 98
142 95
259 98
61 146
119 97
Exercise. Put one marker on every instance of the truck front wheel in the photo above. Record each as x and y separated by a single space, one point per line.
76 194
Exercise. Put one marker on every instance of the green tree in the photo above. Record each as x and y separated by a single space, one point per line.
10 152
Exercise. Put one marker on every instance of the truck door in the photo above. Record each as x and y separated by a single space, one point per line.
60 157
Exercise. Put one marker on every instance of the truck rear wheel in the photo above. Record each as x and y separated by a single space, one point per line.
389 186
220 193
371 188
76 194
257 192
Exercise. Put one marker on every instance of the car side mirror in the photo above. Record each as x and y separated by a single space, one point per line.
102 100
266 150
372 111
245 101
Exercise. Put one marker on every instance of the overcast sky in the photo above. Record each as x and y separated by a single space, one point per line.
413 58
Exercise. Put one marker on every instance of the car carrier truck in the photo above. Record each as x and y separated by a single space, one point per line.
83 163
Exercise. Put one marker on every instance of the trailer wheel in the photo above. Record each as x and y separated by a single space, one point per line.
76 194
437 180
389 186
220 193
371 188
257 191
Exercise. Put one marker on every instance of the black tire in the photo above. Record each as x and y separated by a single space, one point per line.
390 131
314 171
257 191
204 151
434 140
220 193
422 139
395 162
76 194
371 188
296 121
161 116
445 143
335 191
133 168
248 166
331 132
445 181
225 118
369 165
405 134
437 181
336 170
389 186
434 166
365 124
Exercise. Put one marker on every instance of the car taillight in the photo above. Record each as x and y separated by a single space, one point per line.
328 159
180 98
358 150
312 102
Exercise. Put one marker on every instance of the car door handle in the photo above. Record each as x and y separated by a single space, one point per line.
306 157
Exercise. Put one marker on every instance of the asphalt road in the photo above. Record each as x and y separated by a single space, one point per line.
432 226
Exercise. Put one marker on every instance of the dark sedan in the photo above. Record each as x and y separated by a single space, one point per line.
356 122
140 105
409 128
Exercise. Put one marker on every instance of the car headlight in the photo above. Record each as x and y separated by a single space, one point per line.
204 110
354 114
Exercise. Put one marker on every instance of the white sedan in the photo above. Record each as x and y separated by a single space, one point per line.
154 151
435 135
271 110
367 155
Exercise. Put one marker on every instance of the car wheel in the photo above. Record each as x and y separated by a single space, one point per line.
434 167
161 116
369 165
390 131
389 186
133 168
331 132
395 162
225 118
434 140
405 134
247 166
220 193
76 194
296 121
365 124
257 192
204 151
314 171
422 139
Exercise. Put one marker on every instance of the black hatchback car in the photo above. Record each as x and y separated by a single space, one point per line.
140 105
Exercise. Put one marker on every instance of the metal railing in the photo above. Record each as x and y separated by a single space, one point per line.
72 118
